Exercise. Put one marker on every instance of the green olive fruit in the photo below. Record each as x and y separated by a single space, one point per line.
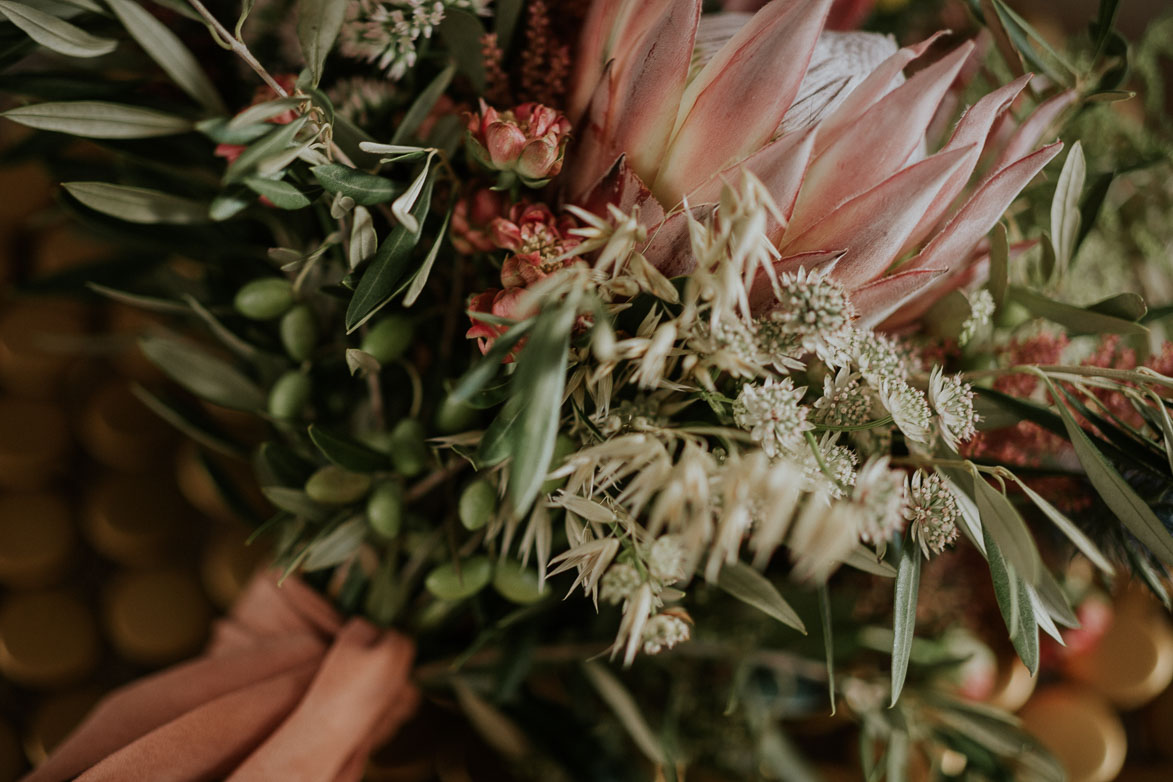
409 447
385 509
299 332
477 503
455 416
264 299
332 485
288 396
517 584
388 339
447 584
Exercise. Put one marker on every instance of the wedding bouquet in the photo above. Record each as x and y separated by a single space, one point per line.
662 371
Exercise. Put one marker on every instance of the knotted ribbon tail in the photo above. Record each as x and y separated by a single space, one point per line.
286 691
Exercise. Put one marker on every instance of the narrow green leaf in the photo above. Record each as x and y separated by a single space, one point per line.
270 145
202 432
337 546
1005 525
282 194
615 695
388 268
752 588
98 119
1068 528
1126 306
494 446
365 189
1133 512
1015 604
318 23
259 113
165 48
904 614
538 385
137 204
149 303
505 17
862 558
347 453
420 278
296 502
201 373
461 33
828 642
1092 203
1166 424
1077 320
54 33
1065 215
423 105
999 265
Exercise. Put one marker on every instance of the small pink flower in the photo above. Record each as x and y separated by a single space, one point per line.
502 303
528 141
472 218
538 240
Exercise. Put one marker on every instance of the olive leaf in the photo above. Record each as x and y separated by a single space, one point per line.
365 189
318 24
904 614
1004 524
203 374
165 48
752 588
1014 601
137 204
54 33
1065 216
347 453
98 119
1133 512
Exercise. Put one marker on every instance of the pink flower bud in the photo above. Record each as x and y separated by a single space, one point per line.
528 140
472 218
504 141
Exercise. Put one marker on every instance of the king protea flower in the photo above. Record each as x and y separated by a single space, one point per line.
670 106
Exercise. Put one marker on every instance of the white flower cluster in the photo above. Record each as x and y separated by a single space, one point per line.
981 314
932 512
812 313
773 416
387 32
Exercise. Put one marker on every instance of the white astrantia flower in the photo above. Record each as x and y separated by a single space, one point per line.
619 583
909 410
664 631
846 401
839 461
878 357
814 312
932 512
880 495
667 560
981 314
953 400
772 415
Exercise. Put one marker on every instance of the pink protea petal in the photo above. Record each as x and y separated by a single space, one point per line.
878 144
649 82
593 53
622 187
971 131
872 227
737 101
877 300
761 294
879 83
594 152
962 275
977 217
779 165
1030 133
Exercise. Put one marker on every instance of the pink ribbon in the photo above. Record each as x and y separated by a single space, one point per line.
286 690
